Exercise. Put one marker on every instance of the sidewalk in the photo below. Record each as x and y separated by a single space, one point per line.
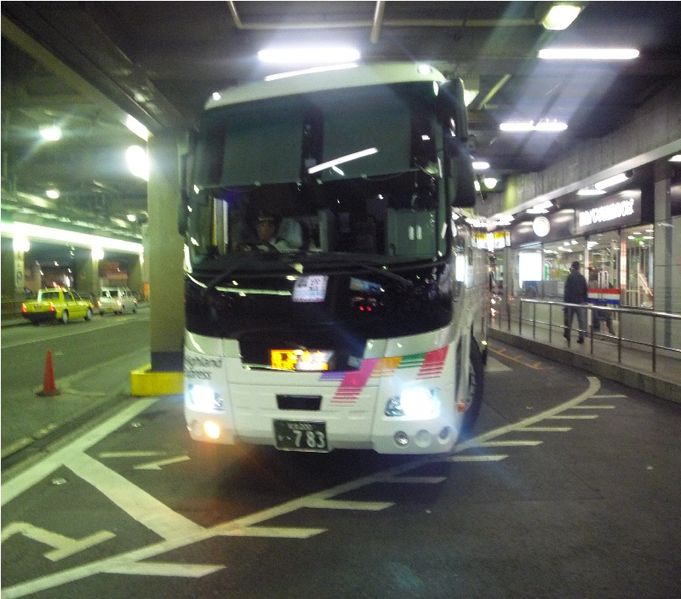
600 357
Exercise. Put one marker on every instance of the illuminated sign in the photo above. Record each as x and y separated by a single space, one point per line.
609 214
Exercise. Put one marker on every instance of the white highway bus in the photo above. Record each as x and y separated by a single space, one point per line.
361 322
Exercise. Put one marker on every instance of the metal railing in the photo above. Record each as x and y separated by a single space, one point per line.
636 328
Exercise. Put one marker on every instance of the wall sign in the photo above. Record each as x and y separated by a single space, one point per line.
622 210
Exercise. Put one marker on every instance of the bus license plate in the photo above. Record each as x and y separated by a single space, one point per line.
292 435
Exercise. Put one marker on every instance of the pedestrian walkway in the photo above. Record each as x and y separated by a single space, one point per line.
631 365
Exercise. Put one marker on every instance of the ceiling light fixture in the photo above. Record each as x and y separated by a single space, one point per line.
137 128
480 165
560 16
588 53
309 55
50 132
590 191
611 181
543 126
138 162
52 193
490 182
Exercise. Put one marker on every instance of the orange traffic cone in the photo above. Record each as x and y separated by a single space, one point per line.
49 387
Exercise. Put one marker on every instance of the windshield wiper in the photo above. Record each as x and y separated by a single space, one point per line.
239 263
344 261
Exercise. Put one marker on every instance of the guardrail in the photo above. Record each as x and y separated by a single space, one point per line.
635 327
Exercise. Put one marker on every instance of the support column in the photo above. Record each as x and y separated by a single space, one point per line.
663 255
87 272
165 247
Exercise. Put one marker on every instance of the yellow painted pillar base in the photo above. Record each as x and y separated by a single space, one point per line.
144 382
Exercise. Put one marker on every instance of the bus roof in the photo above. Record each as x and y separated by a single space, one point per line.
310 80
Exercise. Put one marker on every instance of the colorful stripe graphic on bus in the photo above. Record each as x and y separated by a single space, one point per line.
430 365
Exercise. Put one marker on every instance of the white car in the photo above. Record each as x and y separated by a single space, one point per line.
116 300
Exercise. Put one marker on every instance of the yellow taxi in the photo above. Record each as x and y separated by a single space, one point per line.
56 305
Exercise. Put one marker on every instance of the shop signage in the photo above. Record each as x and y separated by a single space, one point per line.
606 215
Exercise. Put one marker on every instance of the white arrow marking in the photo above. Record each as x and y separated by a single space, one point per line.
337 504
62 546
518 443
158 463
477 458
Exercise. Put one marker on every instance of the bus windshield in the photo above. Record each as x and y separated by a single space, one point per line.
339 173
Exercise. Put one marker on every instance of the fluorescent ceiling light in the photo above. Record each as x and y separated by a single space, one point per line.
137 128
517 126
50 132
75 238
610 181
560 16
52 193
138 162
308 55
543 126
550 126
310 71
588 53
490 182
675 158
590 191
342 160
480 165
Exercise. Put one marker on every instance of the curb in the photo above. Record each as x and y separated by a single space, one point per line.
636 379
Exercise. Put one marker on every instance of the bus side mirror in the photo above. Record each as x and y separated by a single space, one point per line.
461 176
186 160
451 106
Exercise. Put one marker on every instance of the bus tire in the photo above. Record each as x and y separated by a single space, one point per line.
476 377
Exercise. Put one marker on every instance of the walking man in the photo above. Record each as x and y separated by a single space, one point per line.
576 292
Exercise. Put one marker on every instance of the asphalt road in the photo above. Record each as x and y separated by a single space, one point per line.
568 487
91 362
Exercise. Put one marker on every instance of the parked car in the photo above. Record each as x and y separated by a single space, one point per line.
116 300
56 305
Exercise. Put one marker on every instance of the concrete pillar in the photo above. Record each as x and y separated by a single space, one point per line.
135 273
87 272
165 251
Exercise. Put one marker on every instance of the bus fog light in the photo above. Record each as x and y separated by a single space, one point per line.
211 429
401 438
423 439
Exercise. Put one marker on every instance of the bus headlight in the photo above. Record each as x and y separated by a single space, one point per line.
204 399
418 403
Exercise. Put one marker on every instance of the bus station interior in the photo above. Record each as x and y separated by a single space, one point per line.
90 67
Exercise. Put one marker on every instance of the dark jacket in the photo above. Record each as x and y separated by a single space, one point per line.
576 289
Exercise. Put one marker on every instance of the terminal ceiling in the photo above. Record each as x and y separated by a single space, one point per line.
159 61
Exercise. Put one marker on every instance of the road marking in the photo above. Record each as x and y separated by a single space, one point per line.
519 443
62 546
281 532
31 476
338 504
165 569
618 395
477 458
587 407
135 502
574 417
593 387
158 463
414 480
123 562
533 365
493 365
547 429
130 454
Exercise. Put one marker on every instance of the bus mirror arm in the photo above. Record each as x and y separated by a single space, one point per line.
460 174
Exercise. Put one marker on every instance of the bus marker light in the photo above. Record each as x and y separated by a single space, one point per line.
401 438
